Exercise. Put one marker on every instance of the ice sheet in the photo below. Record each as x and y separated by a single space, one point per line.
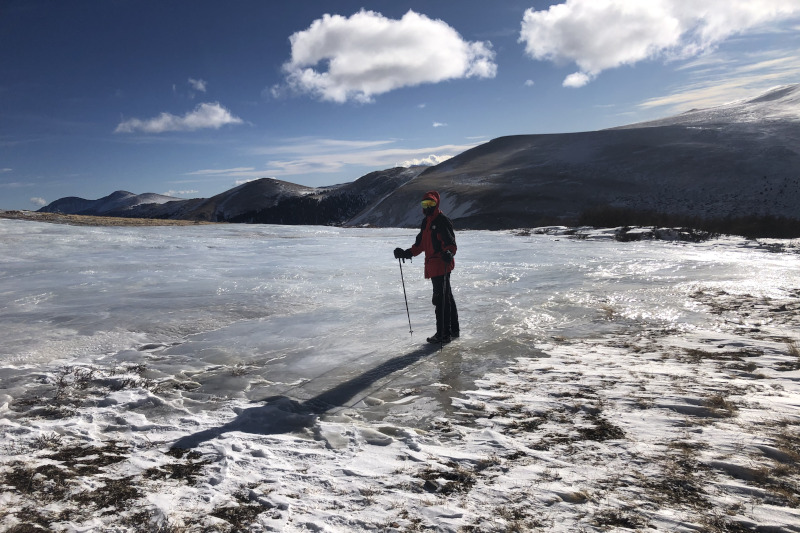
257 311
263 378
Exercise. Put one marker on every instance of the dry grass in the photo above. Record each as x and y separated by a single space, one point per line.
84 220
456 479
720 406
63 473
793 352
608 312
792 348
74 387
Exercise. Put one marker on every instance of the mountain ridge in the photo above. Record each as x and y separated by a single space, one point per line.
732 161
739 159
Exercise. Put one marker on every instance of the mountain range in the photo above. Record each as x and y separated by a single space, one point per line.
735 161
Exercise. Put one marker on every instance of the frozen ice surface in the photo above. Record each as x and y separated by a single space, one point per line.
258 311
263 378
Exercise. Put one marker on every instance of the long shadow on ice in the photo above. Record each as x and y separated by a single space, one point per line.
281 414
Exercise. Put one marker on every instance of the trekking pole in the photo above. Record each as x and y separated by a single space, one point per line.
405 297
444 299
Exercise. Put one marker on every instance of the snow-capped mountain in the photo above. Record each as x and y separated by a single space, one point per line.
265 200
336 204
113 204
776 105
732 161
249 197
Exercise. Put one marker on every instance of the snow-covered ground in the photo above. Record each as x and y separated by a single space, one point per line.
260 378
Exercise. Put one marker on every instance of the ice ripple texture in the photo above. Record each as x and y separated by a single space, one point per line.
236 311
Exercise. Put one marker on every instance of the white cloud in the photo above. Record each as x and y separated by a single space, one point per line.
576 79
430 161
4 170
722 80
342 59
529 83
598 35
439 124
198 85
316 156
180 193
375 159
220 172
40 202
313 145
208 115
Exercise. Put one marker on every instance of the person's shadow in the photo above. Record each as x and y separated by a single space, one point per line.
280 414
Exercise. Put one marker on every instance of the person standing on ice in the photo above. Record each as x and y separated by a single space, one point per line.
438 240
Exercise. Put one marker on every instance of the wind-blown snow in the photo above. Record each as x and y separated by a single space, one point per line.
596 383
781 103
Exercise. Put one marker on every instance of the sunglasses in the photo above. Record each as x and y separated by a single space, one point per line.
428 203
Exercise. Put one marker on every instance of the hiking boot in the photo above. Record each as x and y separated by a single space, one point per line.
439 339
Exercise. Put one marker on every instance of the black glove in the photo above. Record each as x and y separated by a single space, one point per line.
399 253
447 257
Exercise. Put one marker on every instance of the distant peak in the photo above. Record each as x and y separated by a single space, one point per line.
781 103
776 93
120 194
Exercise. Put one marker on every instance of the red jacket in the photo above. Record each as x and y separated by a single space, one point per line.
436 235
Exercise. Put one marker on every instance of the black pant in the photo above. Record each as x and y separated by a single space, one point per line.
446 312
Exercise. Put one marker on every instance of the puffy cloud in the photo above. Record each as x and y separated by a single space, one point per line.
39 202
601 34
430 161
354 58
202 117
576 79
439 124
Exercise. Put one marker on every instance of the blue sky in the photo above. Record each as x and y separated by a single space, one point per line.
191 97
